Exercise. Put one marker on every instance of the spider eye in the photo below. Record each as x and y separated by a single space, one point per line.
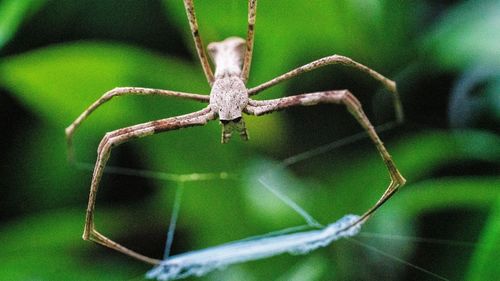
225 122
236 120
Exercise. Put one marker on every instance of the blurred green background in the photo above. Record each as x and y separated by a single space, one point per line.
56 57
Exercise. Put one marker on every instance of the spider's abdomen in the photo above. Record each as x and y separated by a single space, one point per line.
228 97
227 56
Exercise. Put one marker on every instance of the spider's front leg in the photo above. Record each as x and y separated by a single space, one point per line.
118 137
354 106
247 60
193 24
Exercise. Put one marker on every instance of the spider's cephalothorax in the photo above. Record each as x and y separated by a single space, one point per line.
229 95
228 99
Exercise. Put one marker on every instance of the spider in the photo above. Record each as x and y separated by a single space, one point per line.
229 98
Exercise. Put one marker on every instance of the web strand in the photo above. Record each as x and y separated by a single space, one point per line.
387 255
334 145
115 170
292 204
418 239
173 219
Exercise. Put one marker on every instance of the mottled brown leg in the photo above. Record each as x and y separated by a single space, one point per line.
116 138
247 61
70 130
354 106
193 24
336 59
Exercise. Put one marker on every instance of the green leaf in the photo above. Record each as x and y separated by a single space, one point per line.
466 35
312 268
483 266
432 195
57 83
416 156
48 246
12 15
70 77
403 212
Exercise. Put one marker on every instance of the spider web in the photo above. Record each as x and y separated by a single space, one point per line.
293 240
297 240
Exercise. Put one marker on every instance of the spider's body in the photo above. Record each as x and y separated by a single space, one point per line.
229 95
228 99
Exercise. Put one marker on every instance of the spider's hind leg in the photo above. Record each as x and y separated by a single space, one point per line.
354 106
116 138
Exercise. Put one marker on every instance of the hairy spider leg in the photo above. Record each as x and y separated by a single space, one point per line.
193 24
336 59
354 107
116 92
118 137
247 61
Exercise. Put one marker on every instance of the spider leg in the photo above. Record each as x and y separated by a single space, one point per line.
336 59
354 106
122 92
118 137
193 24
252 12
